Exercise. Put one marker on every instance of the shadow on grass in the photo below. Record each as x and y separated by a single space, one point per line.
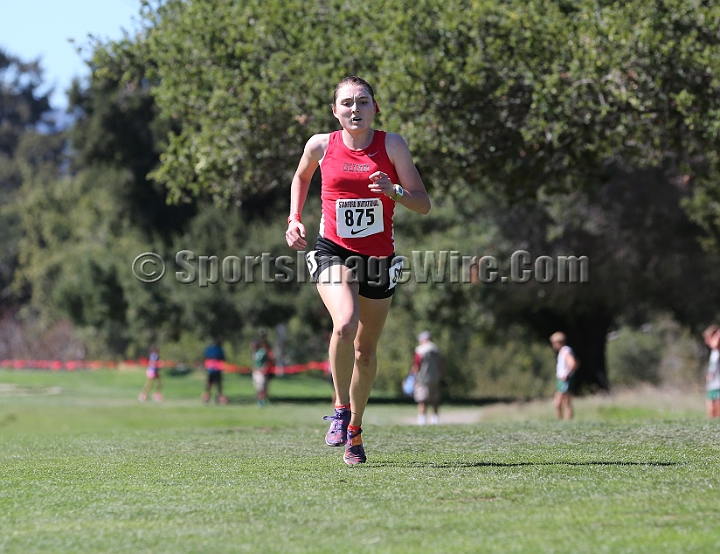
381 400
450 465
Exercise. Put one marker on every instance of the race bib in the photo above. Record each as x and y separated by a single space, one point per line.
359 217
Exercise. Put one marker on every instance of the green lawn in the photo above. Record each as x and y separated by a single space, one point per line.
85 467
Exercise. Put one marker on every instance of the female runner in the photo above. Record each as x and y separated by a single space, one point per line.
365 173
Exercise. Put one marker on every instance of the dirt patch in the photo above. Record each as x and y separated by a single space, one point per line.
7 389
451 416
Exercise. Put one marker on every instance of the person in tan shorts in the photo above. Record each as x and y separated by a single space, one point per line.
428 368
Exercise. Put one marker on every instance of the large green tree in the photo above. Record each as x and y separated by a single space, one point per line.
82 228
26 141
520 96
82 225
643 259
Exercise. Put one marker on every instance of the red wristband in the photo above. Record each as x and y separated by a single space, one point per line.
294 217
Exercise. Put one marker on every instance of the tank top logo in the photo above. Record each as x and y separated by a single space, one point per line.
356 168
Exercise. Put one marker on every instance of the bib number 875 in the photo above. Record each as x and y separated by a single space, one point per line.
355 217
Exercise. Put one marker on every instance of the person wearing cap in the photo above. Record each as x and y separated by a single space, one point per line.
566 365
428 368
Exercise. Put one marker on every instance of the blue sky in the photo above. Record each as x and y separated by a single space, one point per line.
41 28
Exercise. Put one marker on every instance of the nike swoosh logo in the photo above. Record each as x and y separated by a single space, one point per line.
354 232
371 155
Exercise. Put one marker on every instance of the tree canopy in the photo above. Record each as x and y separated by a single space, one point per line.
23 108
519 96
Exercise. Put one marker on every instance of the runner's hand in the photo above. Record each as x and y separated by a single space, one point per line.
295 236
381 184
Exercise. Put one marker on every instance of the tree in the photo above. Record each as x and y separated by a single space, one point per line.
22 110
521 96
82 230
644 260
81 226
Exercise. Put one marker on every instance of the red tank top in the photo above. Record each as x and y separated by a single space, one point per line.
352 215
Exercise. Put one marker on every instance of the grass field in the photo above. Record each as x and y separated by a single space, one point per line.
85 467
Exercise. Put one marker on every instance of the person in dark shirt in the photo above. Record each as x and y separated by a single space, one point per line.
214 363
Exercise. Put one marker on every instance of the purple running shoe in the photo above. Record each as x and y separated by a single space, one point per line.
337 434
354 451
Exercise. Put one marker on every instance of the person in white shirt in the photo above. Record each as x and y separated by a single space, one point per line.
566 365
712 339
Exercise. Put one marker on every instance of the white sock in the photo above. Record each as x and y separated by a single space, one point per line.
434 419
421 419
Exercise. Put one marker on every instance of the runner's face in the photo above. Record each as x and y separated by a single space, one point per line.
354 107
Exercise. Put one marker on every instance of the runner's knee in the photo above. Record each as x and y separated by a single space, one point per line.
347 330
364 355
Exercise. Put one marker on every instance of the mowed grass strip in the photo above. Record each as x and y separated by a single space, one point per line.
239 478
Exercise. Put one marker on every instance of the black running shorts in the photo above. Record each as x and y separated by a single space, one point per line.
376 276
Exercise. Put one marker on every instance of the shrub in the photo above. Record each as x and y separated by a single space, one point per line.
634 357
516 369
